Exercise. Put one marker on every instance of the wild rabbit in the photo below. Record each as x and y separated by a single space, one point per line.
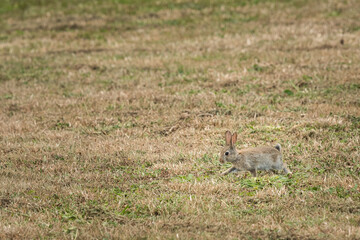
251 159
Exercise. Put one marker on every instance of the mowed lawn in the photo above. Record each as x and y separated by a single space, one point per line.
113 113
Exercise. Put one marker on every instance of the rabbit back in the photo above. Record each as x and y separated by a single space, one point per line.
261 158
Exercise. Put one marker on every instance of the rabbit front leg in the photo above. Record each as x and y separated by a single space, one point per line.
230 170
285 169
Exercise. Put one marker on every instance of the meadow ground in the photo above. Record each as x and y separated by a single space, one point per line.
112 114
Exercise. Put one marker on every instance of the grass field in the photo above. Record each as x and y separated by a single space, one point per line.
113 113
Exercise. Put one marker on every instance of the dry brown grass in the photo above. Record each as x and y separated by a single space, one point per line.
112 116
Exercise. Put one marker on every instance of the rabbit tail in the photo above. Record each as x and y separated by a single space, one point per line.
278 147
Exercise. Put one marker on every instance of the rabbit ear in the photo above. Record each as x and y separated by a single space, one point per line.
233 139
228 137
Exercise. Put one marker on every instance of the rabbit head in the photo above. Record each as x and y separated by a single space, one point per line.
229 153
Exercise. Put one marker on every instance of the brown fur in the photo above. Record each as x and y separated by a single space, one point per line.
262 149
251 159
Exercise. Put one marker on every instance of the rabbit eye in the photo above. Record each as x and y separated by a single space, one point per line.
226 153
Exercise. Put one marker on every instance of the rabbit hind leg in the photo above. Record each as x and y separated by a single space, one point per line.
253 172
